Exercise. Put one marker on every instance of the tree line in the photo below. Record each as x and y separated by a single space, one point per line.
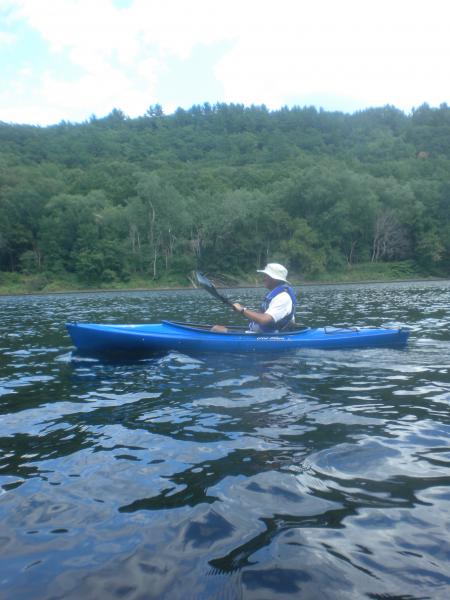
224 188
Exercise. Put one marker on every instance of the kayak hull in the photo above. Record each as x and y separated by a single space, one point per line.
94 338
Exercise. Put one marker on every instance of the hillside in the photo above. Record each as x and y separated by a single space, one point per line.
119 201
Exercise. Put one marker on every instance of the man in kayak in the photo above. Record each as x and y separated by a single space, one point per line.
278 307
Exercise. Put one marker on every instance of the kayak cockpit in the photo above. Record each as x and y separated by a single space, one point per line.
232 329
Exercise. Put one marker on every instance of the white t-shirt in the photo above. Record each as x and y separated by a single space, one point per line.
280 306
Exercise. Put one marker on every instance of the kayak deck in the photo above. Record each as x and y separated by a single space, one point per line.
187 337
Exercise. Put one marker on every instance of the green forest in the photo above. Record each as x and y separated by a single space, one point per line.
119 202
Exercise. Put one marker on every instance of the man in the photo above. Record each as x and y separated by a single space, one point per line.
278 308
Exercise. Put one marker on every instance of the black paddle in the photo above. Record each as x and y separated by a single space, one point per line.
209 287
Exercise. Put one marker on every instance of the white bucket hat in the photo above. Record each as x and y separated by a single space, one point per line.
275 271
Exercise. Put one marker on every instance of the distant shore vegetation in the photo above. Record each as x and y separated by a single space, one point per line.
120 203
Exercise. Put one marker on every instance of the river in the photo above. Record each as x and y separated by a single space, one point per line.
313 475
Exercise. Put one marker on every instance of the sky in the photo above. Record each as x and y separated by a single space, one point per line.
67 60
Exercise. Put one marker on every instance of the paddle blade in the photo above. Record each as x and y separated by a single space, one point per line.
207 285
203 280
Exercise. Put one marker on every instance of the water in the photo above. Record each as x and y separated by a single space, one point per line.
318 474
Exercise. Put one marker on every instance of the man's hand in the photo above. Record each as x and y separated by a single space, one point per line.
238 307
219 329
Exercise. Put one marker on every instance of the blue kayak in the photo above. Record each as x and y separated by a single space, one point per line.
188 338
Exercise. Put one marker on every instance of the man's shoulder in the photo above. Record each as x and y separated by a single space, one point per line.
283 296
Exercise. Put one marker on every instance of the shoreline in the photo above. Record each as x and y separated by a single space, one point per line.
237 287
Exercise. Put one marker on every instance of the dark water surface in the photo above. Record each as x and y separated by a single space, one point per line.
317 475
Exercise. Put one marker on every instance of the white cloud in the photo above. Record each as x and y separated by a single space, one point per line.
115 69
119 53
7 38
369 53
385 52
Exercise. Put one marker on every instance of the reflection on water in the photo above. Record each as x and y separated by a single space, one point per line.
318 474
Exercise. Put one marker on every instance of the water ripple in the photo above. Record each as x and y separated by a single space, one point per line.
317 474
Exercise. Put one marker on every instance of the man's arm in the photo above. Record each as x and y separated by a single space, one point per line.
253 315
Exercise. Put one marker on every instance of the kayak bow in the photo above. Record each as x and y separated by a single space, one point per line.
166 336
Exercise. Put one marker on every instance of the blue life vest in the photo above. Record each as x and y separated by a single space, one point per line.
285 321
